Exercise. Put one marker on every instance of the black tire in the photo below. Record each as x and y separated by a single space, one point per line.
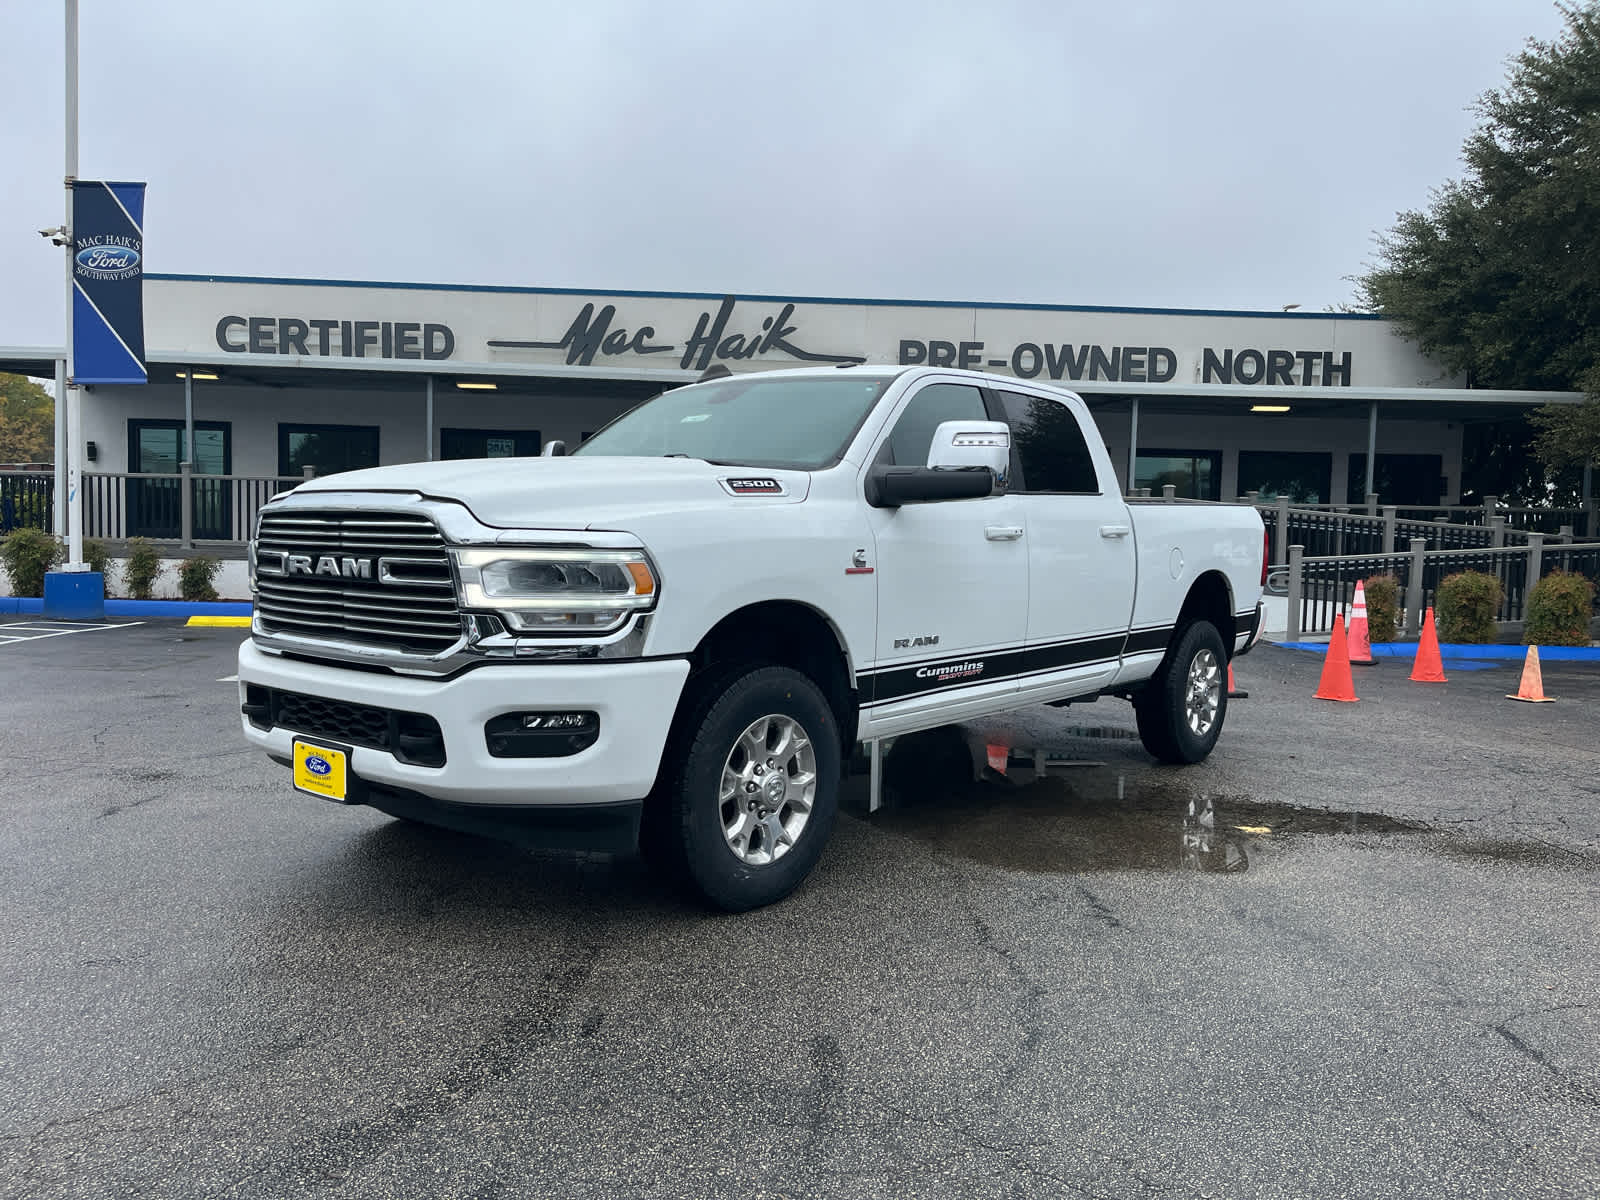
684 830
1162 706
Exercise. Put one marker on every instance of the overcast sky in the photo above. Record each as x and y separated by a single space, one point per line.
1232 154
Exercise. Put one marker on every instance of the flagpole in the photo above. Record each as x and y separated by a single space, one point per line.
73 398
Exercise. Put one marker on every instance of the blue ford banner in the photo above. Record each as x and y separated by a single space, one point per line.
107 282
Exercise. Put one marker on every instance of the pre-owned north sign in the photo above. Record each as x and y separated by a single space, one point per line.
1135 364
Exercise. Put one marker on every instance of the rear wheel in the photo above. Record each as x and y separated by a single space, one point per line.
752 788
1181 710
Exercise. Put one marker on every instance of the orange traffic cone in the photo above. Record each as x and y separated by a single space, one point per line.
1360 647
1234 691
1336 683
1429 667
1532 686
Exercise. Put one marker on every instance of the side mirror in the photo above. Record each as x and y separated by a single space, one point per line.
890 487
554 449
972 444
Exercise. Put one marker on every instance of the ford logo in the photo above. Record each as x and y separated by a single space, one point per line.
318 765
108 258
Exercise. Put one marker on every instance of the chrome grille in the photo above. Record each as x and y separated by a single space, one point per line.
414 612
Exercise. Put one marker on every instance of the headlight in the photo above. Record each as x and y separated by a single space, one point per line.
557 591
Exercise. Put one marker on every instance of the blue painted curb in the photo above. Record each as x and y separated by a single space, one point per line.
141 608
1464 650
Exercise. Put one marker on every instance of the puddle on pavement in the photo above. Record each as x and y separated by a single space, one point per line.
1082 815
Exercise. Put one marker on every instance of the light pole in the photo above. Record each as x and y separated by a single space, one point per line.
73 398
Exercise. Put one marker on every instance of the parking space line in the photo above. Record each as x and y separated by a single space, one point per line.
33 631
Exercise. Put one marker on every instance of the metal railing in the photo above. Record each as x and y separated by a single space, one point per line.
1326 533
184 507
1579 522
27 500
1320 587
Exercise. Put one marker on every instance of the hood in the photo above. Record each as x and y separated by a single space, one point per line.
570 493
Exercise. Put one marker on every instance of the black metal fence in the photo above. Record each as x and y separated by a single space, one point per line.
1326 585
27 501
1328 533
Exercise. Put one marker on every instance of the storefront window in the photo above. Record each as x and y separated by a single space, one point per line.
328 448
1196 474
1399 478
489 443
1306 477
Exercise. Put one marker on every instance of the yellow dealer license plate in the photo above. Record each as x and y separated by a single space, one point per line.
320 770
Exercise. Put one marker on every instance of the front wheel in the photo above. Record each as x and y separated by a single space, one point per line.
1180 711
753 788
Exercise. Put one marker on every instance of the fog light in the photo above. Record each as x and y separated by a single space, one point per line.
541 734
572 720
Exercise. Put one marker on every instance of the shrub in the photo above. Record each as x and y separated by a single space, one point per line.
144 564
1559 608
1383 607
196 577
27 554
1466 606
94 553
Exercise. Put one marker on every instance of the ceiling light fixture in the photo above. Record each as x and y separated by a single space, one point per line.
1269 408
476 387
198 375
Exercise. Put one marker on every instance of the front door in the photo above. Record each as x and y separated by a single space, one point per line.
952 581
155 506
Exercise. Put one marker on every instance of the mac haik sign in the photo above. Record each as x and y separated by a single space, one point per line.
107 282
773 332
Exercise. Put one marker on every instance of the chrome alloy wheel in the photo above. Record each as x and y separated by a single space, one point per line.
769 784
1203 694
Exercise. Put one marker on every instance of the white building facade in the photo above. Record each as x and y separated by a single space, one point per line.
253 377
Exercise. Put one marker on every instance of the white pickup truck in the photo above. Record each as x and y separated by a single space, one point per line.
676 634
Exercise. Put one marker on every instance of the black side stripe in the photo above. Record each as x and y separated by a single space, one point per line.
1142 641
899 683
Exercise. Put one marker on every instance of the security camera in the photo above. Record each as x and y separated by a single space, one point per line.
59 235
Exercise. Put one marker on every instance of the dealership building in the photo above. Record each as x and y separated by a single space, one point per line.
271 378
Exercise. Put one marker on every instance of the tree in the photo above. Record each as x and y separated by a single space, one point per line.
1500 277
27 421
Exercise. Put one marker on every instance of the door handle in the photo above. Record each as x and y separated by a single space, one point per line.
1002 533
1114 531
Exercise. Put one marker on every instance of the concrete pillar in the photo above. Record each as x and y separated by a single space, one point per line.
1169 492
1372 453
1133 442
186 505
1414 590
1296 588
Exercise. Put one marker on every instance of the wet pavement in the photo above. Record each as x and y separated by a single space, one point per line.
1352 954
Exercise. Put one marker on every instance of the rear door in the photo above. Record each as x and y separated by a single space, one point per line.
1081 553
952 579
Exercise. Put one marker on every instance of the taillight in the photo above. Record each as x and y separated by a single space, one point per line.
1266 554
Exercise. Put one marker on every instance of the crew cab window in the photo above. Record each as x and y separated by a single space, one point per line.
1048 450
912 438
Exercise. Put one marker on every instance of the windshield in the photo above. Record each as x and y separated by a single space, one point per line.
800 423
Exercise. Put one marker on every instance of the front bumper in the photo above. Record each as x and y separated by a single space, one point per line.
635 702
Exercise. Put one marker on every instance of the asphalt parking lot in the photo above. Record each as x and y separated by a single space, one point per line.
1353 954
